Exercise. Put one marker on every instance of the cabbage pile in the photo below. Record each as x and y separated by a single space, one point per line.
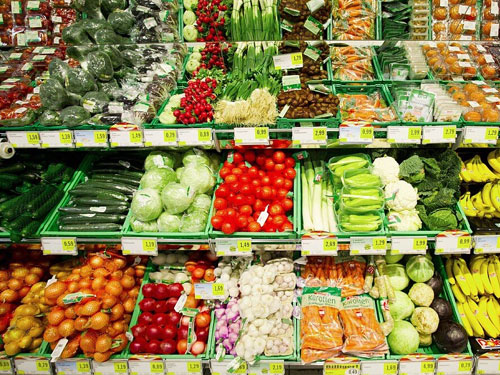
175 194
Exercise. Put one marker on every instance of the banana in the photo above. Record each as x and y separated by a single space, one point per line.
496 305
475 269
488 288
478 174
483 318
474 173
449 271
496 262
467 205
464 173
457 292
492 313
493 277
486 194
482 209
493 161
460 278
465 321
468 277
476 326
484 169
495 196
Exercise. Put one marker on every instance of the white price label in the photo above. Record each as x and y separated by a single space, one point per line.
194 137
288 61
486 244
186 367
481 134
209 290
251 136
20 139
6 366
73 366
408 245
233 246
59 246
309 135
439 134
91 138
446 367
332 368
404 134
319 246
488 366
139 246
355 134
368 245
32 366
110 367
379 367
494 8
146 367
125 138
416 367
448 243
57 139
160 137
221 368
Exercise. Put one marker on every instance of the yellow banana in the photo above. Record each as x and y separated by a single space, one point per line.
496 262
449 270
485 170
474 322
488 288
465 321
464 173
493 278
460 278
468 276
457 292
492 313
483 318
493 161
479 176
474 173
496 305
495 196
467 205
475 270
486 194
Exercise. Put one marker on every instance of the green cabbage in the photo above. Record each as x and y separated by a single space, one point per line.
420 268
158 178
397 276
194 222
159 159
168 223
389 258
403 338
195 156
402 307
143 226
146 204
200 178
176 198
201 203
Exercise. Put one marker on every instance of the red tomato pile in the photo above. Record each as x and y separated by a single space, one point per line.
254 180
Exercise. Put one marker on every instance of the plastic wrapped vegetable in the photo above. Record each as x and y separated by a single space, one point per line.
79 81
114 54
75 34
95 101
108 6
168 223
50 118
74 115
158 178
53 95
194 222
199 178
201 204
143 226
158 159
99 65
176 198
59 70
146 205
121 21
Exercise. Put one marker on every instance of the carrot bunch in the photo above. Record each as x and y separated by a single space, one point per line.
363 107
354 20
352 63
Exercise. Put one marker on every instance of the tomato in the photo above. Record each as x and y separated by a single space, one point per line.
239 200
224 171
222 191
220 203
242 221
255 183
268 152
231 214
237 158
259 205
269 165
231 179
260 160
235 187
290 173
237 171
278 220
230 197
279 156
253 172
245 179
275 209
287 226
216 222
290 162
220 213
249 156
228 165
254 227
288 185
281 193
266 192
227 228
246 210
250 199
278 182
279 167
246 189
287 204
266 181
262 173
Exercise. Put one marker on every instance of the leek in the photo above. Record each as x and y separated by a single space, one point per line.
332 223
324 206
316 198
306 200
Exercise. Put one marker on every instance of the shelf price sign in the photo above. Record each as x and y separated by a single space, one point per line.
379 367
309 135
91 138
32 366
341 369
209 290
224 367
368 245
73 366
160 137
424 367
110 367
356 133
317 244
57 139
233 246
404 134
288 61
146 367
6 366
20 139
251 136
481 134
439 134
408 245
453 242
59 246
488 364
486 244
139 246
125 138
454 364
194 137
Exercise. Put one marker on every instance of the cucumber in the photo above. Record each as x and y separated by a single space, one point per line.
19 206
90 227
45 208
116 178
16 167
101 194
67 174
121 172
120 188
41 199
30 229
93 210
19 223
87 201
94 218
53 172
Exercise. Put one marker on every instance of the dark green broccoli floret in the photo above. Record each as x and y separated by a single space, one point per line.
53 95
412 170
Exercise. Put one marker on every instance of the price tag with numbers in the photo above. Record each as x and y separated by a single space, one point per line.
486 244
59 246
185 367
251 136
233 246
404 134
341 368
208 290
319 244
481 134
368 245
453 242
194 137
110 367
379 367
488 365
309 135
160 137
91 138
225 368
125 138
6 366
139 246
32 366
408 245
20 139
288 61
355 133
73 366
57 139
146 367
417 367
446 365
439 134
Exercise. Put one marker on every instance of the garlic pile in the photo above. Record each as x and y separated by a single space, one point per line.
228 272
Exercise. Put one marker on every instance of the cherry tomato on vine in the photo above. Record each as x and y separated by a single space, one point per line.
290 173
220 203
279 157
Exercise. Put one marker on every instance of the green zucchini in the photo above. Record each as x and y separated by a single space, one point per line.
88 201
90 227
93 218
91 210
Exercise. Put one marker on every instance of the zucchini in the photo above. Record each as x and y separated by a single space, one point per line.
91 210
101 194
93 217
90 227
45 208
88 201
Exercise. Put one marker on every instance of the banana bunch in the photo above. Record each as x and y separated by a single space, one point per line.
475 170
475 290
485 203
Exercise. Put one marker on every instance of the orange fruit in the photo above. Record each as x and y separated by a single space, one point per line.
440 14
488 72
470 88
476 96
472 116
490 115
458 96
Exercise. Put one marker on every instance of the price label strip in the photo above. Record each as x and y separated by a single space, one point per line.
379 367
19 139
233 246
453 243
288 61
139 246
404 134
416 367
488 366
57 139
251 136
319 245
486 244
368 245
439 134
73 366
445 367
209 290
194 137
110 368
408 245
59 246
6 367
146 367
481 134
91 138
355 134
32 366
308 135
125 138
341 369
160 137
222 368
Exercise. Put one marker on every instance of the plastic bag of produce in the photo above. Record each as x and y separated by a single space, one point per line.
158 178
194 222
53 95
146 204
95 101
121 21
168 223
79 81
50 118
74 115
143 226
59 70
99 64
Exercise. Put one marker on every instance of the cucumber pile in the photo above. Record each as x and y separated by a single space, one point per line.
101 203
28 192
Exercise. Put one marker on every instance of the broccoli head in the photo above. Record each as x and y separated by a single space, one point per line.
412 170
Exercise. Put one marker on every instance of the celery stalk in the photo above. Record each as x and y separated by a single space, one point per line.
306 201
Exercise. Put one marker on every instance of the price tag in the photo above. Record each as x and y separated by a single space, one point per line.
404 134
488 366
73 366
449 243
233 246
481 134
445 366
59 246
24 139
57 139
319 246
288 61
146 367
277 368
221 368
486 244
416 367
6 367
125 138
160 137
368 245
91 138
251 136
110 367
139 246
439 134
32 366
309 135
355 134
209 290
379 367
193 367
194 137
408 245
341 369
